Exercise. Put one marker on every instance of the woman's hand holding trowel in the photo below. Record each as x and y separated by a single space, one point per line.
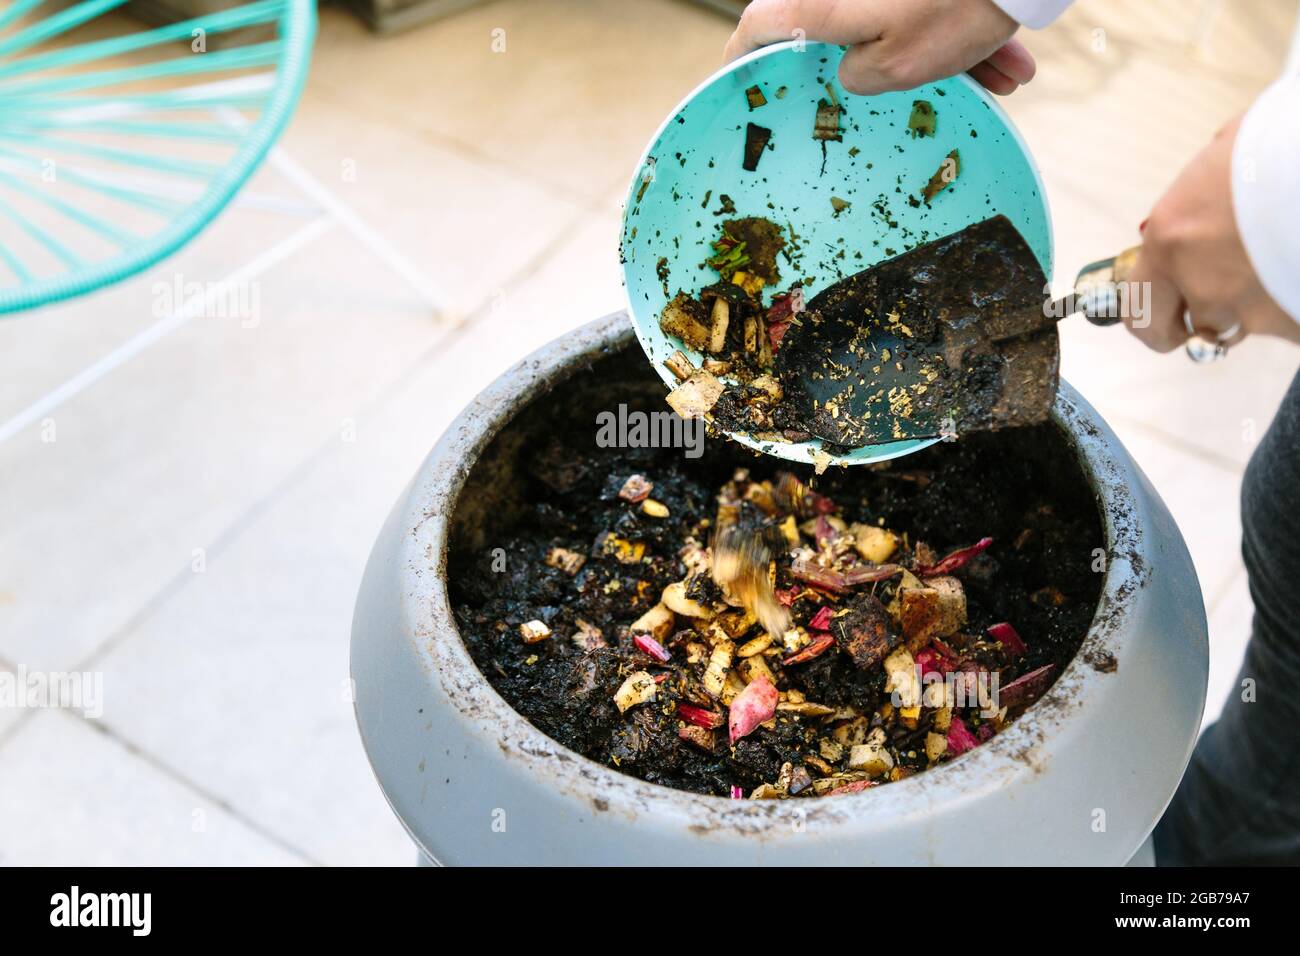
1196 280
1193 258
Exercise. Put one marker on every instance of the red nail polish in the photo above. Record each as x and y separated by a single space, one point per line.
1143 226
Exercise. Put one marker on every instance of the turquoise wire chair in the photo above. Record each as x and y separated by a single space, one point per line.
118 145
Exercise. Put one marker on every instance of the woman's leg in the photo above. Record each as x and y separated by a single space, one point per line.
1239 802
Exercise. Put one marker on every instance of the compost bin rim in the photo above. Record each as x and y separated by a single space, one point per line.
1018 750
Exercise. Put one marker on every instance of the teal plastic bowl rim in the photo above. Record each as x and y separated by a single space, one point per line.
298 31
803 452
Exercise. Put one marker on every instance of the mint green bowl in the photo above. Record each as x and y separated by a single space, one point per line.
696 155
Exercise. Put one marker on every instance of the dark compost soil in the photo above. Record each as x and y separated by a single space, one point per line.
543 483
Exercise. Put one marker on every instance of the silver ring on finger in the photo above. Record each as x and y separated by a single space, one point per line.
1202 348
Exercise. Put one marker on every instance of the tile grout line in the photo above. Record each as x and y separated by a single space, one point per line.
335 211
468 151
259 507
168 771
255 511
10 732
333 205
171 773
360 229
142 340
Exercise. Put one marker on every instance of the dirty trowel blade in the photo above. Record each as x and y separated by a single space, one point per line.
897 351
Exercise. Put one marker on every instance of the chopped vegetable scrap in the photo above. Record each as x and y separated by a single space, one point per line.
534 631
738 335
826 126
943 177
923 119
1008 637
761 241
694 397
639 688
884 354
754 705
649 645
836 648
636 489
756 140
958 559
1028 686
960 739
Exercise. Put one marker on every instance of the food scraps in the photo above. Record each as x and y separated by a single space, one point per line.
756 140
826 125
838 649
923 119
885 354
943 177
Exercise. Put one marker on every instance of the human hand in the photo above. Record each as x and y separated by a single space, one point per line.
1193 257
896 44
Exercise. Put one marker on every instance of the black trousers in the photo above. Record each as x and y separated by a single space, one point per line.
1239 802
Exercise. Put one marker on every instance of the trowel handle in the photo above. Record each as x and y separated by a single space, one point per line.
1097 289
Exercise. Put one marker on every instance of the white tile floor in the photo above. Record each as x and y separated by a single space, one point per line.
197 528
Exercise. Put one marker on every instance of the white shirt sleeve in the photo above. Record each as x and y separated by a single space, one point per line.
1034 14
1265 167
1266 190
